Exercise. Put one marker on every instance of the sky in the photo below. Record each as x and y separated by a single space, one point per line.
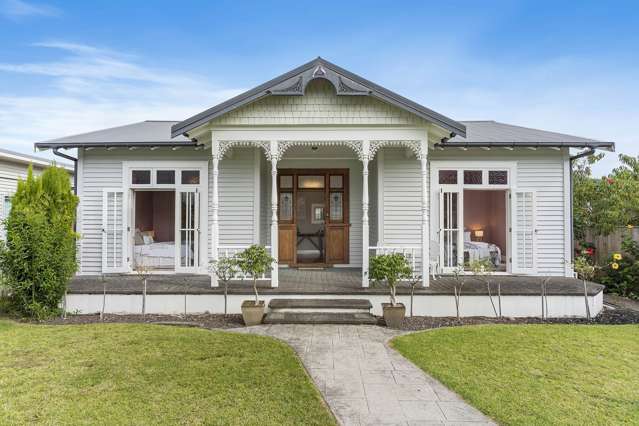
71 67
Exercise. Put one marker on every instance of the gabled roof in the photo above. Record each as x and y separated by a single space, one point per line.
144 133
18 157
493 133
294 82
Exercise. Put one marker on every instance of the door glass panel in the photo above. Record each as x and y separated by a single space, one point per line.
450 228
286 182
310 182
336 182
336 206
286 206
190 177
188 229
310 226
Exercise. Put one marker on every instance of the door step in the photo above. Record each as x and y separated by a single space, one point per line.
356 318
359 304
320 311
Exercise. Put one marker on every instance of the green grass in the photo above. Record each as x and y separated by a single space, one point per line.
148 374
536 374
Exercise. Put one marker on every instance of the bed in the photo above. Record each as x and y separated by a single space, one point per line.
154 254
478 250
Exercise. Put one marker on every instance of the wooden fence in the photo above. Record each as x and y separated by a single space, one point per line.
609 244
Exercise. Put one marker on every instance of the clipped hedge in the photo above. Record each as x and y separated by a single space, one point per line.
38 257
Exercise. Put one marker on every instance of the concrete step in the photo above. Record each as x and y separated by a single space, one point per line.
313 304
356 318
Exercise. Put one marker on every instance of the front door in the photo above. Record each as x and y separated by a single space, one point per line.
313 216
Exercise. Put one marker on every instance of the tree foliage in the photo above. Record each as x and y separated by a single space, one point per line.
254 261
607 203
390 269
38 257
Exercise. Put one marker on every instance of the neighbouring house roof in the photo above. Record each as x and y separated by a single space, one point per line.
144 133
18 157
492 133
294 82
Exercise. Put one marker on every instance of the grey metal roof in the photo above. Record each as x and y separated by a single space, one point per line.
9 155
294 82
144 133
493 133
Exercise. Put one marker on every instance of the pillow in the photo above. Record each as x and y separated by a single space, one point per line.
138 237
466 236
147 237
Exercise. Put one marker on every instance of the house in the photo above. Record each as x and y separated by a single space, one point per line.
325 169
13 167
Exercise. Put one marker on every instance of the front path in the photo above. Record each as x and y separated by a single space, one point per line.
365 382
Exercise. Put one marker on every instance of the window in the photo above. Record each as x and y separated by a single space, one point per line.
165 177
497 177
190 177
286 182
6 207
310 182
336 181
141 177
318 214
336 206
448 177
472 177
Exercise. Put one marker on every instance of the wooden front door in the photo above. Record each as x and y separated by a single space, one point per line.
313 216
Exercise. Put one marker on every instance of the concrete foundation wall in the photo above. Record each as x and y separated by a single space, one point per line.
430 305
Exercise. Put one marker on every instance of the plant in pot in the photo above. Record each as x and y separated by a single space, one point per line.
254 261
390 269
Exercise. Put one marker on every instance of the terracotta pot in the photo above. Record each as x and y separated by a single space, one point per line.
252 313
394 315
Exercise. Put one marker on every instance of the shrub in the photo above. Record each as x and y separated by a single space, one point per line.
621 273
390 268
38 257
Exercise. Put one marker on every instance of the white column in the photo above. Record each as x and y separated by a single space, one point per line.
274 202
365 224
215 225
425 207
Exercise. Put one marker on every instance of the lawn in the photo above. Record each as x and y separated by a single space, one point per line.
150 374
536 374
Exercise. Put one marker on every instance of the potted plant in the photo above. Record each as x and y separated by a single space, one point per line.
254 261
390 269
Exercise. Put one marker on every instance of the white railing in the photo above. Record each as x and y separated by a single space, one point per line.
230 251
409 252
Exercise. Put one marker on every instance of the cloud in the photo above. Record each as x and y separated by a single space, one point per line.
17 9
89 88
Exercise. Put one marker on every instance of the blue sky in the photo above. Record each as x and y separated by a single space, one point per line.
70 67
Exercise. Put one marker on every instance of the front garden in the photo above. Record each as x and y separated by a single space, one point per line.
151 374
536 374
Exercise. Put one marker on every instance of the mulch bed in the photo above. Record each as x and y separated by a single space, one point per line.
607 316
204 320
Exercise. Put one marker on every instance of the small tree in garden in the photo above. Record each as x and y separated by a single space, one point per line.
225 269
482 269
255 261
38 257
586 271
459 276
143 272
390 269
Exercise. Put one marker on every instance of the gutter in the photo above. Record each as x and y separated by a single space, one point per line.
75 167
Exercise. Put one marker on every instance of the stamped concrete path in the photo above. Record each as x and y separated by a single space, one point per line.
365 382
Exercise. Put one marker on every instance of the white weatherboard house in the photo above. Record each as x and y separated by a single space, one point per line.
325 169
